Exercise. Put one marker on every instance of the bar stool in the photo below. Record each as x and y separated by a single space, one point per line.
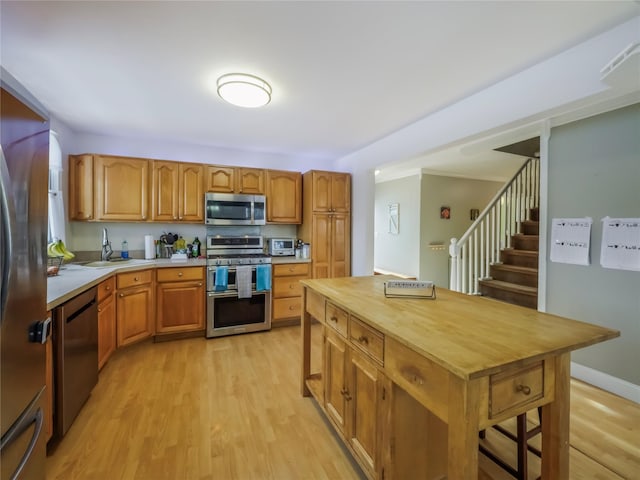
521 438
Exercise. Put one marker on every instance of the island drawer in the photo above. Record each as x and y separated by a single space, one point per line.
291 269
287 307
133 279
423 379
106 288
367 339
337 318
515 388
314 305
178 274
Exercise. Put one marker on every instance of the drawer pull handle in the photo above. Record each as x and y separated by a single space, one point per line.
524 389
364 340
334 319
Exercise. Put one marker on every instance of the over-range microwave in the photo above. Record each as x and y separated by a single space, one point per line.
234 209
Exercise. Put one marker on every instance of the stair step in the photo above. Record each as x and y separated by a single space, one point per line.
514 274
530 227
520 241
510 292
524 258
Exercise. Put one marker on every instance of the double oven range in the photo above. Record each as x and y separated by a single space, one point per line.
227 313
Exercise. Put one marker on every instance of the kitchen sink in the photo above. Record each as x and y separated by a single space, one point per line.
114 262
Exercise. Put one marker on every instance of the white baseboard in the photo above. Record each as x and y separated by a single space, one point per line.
606 382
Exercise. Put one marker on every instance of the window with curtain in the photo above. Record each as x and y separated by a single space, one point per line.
56 202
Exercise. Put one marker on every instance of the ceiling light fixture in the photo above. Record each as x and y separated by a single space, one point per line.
244 90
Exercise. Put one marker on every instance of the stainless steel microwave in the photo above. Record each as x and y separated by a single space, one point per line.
234 209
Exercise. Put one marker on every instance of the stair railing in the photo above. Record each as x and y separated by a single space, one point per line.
481 244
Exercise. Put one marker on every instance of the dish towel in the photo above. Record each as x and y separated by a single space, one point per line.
222 279
263 277
243 280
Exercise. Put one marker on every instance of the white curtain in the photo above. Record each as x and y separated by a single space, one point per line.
56 202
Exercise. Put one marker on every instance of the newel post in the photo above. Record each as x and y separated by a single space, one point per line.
454 253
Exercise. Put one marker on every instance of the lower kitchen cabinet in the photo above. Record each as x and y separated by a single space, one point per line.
107 340
134 306
180 300
355 399
286 291
48 404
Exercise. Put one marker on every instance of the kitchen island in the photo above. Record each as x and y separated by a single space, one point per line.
408 383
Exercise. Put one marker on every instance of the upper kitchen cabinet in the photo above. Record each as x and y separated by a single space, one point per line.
177 192
81 187
331 191
121 187
284 196
235 180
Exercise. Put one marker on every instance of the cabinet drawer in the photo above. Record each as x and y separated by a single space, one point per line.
367 339
287 287
515 388
291 269
106 288
287 307
178 274
336 318
423 379
132 279
315 305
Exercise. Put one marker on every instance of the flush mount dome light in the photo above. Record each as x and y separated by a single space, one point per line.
244 90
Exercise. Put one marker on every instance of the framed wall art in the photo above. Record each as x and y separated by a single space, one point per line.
394 218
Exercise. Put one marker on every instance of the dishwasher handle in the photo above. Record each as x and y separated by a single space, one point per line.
80 311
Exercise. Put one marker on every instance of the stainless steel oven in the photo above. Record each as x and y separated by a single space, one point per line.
228 311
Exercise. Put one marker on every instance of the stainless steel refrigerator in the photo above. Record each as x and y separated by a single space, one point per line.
24 135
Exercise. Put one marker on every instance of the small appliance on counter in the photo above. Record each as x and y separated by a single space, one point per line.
281 247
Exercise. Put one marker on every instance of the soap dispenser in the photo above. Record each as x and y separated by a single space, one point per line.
124 253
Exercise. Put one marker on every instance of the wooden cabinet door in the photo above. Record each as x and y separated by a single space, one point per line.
164 191
220 179
107 340
49 394
250 180
191 203
284 197
180 307
340 245
321 245
321 184
134 309
121 188
363 415
81 187
341 192
335 381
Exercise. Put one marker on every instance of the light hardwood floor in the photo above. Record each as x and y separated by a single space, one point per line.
230 408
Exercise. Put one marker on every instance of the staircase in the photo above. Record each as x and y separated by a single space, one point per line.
515 279
498 255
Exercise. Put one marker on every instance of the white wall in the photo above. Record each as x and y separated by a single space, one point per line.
561 84
398 253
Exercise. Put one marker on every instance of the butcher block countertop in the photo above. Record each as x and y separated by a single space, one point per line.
467 335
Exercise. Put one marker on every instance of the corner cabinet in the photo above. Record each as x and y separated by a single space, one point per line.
327 222
121 187
134 306
180 297
177 192
284 196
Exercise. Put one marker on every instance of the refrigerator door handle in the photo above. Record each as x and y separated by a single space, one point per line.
18 428
6 218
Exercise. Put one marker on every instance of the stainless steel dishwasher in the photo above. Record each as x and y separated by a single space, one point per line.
76 343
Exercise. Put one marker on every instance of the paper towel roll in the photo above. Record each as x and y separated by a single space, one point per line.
149 247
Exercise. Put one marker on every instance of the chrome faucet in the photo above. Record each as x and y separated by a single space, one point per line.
106 247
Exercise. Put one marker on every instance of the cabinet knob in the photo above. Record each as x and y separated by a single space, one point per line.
291 269
108 288
180 218
200 284
291 307
364 340
334 319
144 217
136 279
291 286
121 295
179 274
99 309
89 217
175 218
524 389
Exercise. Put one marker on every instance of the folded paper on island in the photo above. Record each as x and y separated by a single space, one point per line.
410 288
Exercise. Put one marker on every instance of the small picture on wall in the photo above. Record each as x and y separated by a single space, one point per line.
445 212
474 213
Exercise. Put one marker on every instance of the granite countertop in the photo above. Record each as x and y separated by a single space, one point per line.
74 279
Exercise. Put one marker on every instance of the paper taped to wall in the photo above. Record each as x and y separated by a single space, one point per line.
620 243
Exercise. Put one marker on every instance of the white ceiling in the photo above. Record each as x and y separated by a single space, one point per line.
344 74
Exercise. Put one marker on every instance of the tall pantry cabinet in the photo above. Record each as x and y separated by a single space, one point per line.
326 222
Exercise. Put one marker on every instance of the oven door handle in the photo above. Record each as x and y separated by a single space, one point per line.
228 293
